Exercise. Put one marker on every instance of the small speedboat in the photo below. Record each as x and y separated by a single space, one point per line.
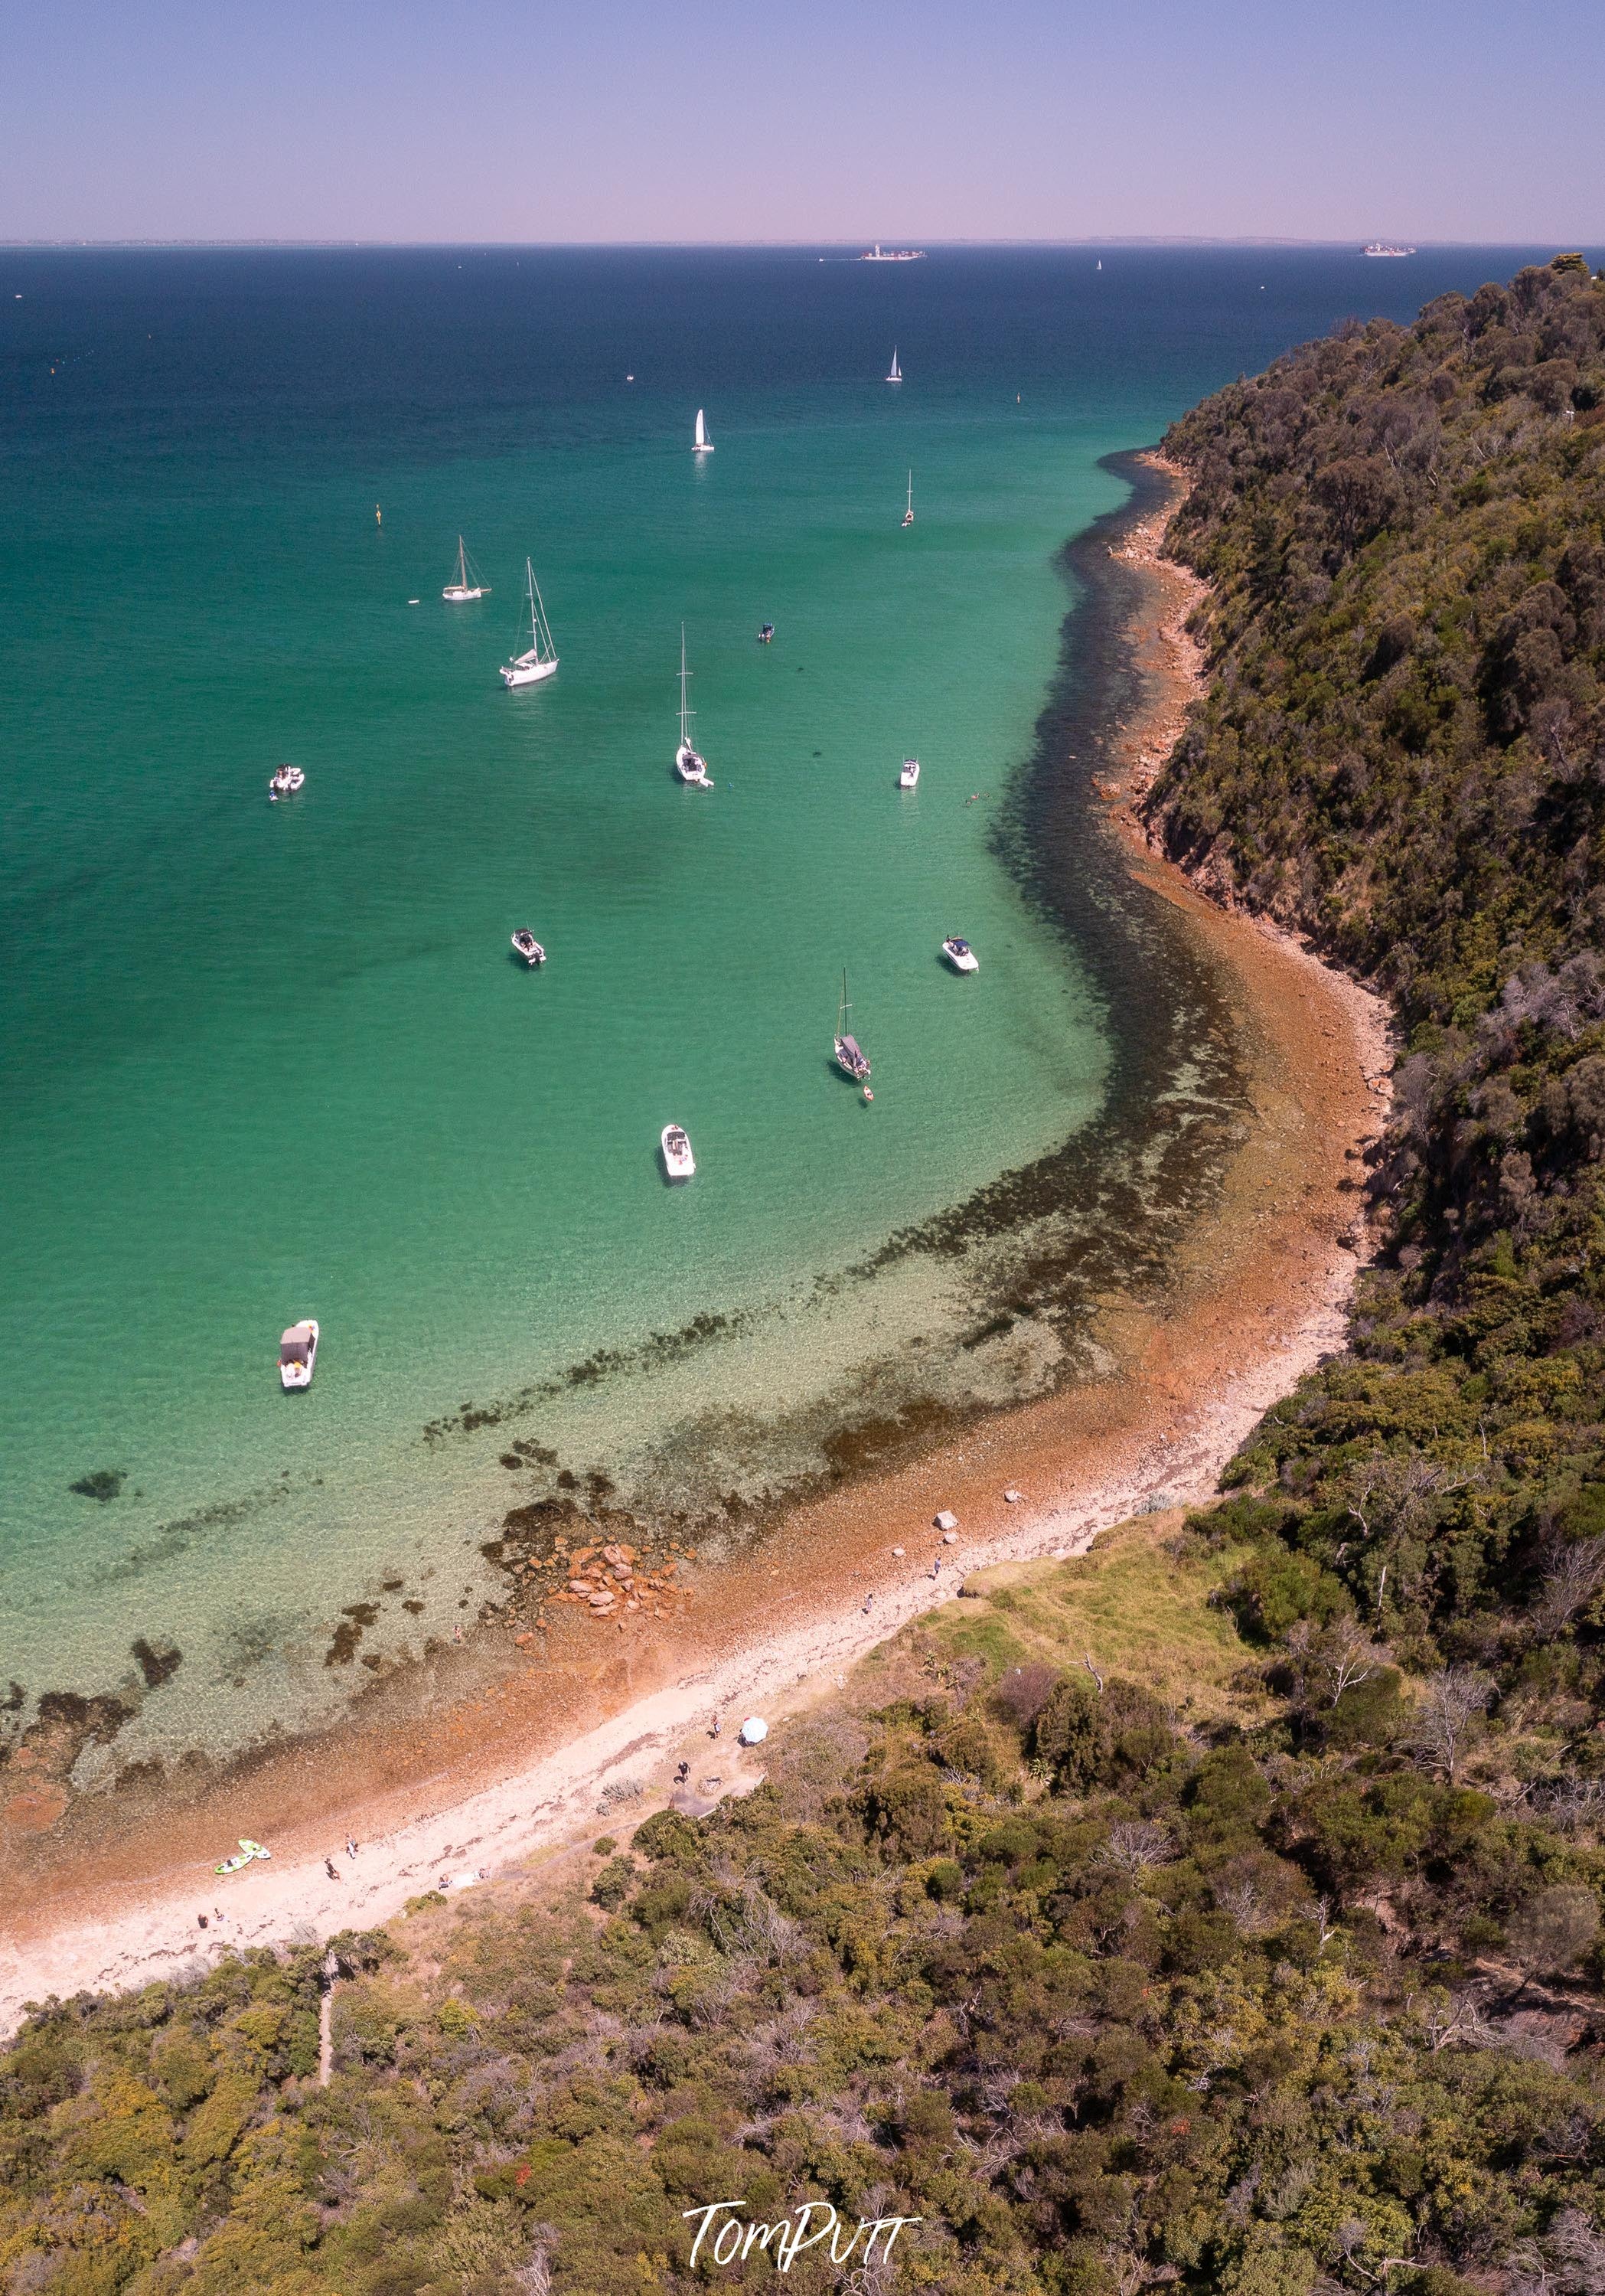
909 778
298 1354
766 635
678 1161
285 783
960 956
524 942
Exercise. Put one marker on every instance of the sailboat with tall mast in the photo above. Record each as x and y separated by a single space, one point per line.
908 515
692 768
539 658
702 444
849 1054
466 583
896 374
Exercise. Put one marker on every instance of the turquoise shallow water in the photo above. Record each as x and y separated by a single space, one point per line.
267 1060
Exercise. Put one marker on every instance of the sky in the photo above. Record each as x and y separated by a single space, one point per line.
481 120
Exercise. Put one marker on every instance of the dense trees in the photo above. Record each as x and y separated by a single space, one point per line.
1104 2000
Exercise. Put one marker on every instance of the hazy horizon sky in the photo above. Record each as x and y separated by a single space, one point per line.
1432 119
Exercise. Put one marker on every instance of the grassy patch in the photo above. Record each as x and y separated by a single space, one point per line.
1139 1602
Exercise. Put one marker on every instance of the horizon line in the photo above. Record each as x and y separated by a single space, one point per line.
1113 240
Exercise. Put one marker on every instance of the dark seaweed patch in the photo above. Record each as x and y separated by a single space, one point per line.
357 1617
173 1539
157 1661
104 1483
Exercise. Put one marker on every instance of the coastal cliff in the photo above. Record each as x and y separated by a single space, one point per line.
1401 750
1219 1911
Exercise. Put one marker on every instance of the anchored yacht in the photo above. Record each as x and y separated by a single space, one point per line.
466 583
539 658
960 955
909 778
285 783
848 1052
527 946
688 763
678 1161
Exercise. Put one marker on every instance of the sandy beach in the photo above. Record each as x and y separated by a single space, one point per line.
528 1745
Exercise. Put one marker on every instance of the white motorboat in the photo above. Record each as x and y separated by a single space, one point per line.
298 1354
879 254
285 783
702 444
908 515
909 778
848 1052
678 1161
897 373
960 955
466 583
688 763
527 946
539 657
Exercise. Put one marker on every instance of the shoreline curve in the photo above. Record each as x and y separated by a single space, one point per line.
1256 1297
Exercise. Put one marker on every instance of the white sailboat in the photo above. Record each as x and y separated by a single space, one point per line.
702 444
849 1054
896 374
466 584
908 515
692 768
539 658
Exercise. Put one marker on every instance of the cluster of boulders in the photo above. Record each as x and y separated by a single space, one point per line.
611 1581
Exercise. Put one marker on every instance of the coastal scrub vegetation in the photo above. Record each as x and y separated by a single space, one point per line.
1108 1987
1222 1913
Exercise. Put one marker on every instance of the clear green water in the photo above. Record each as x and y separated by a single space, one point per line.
269 1061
